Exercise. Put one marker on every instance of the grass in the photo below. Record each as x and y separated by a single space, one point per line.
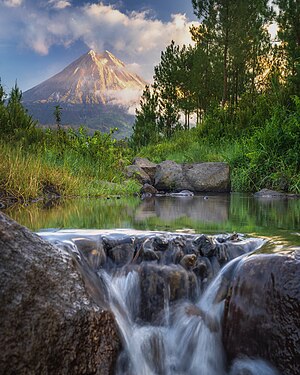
25 175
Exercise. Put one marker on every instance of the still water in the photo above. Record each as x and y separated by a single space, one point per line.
277 219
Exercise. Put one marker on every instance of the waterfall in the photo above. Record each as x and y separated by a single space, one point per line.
185 338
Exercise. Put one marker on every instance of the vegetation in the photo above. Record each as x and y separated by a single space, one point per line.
234 95
64 162
242 88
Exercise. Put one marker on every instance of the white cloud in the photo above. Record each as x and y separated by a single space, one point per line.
12 3
59 4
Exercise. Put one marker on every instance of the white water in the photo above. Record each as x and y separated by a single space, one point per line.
186 340
186 343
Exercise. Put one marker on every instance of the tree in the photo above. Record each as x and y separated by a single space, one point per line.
288 20
17 116
57 115
145 128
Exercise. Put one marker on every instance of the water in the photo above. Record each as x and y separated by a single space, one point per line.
278 220
181 337
185 337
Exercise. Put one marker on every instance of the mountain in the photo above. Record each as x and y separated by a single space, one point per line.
96 90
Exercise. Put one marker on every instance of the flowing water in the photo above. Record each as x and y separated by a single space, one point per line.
185 338
169 318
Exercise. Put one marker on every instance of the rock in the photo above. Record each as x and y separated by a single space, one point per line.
182 193
149 189
160 282
49 322
208 177
169 176
273 194
199 177
134 171
147 166
262 315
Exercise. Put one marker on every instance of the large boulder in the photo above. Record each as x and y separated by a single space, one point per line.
262 315
49 322
198 177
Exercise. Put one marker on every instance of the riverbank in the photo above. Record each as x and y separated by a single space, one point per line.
33 173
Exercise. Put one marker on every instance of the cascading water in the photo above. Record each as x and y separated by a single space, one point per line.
184 335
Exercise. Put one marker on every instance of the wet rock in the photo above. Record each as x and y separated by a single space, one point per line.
188 261
262 315
134 171
163 283
147 166
182 193
273 194
205 245
121 255
93 252
49 322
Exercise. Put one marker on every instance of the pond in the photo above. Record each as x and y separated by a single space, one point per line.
276 219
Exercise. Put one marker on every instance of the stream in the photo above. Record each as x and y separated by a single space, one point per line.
164 282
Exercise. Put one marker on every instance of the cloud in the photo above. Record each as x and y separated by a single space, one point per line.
12 3
135 37
59 4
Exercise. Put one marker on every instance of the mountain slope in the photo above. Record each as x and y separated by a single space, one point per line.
91 79
96 91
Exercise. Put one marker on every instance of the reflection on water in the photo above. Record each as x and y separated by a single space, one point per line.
279 219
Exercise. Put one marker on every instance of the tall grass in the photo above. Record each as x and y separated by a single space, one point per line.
24 175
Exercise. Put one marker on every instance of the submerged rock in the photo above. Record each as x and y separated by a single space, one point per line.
262 314
49 322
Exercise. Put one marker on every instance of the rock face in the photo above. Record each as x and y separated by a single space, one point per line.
262 316
49 324
199 177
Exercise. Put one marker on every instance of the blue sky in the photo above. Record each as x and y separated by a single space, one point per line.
39 38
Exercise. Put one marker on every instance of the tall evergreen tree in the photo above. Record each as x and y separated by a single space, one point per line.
288 20
145 128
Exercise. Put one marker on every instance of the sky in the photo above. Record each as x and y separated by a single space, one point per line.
38 38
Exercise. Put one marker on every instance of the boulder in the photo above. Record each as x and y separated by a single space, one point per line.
273 194
169 176
208 177
198 177
49 322
149 189
147 166
134 171
262 314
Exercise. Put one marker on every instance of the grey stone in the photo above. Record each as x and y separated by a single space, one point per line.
169 176
147 166
198 177
208 177
149 189
134 171
262 312
49 322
